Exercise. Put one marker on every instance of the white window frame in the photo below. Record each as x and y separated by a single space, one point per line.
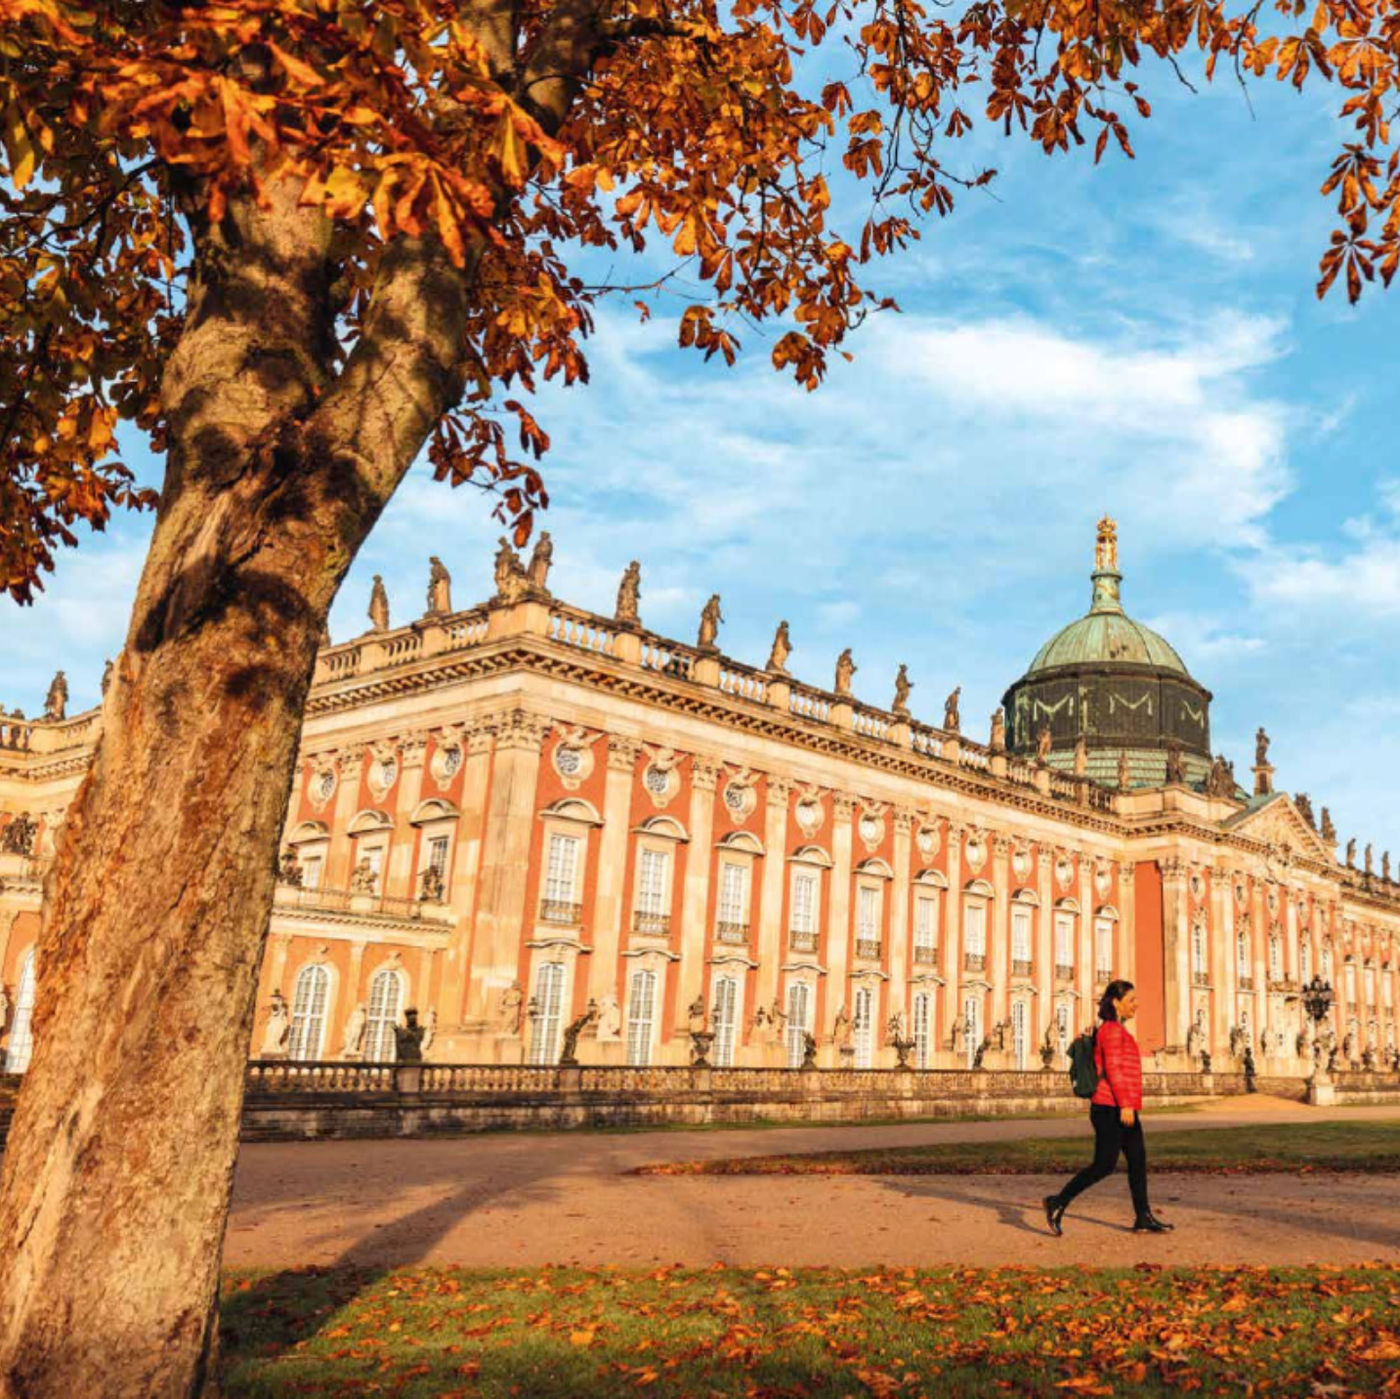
377 853
1064 1026
20 1047
1327 966
975 926
1198 949
311 1012
1103 934
1305 961
727 993
561 884
381 1044
926 920
922 1018
642 993
1064 938
1275 957
863 1027
799 1021
1244 965
803 917
547 1027
1022 937
735 887
1020 1032
870 911
313 868
972 1019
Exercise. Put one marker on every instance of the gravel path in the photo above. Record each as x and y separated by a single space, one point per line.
535 1198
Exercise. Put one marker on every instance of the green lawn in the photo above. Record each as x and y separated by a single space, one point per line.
1316 1146
813 1334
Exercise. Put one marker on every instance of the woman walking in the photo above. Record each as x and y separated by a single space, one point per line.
1115 1111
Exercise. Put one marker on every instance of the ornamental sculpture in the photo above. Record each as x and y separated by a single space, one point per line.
845 669
1261 747
508 1013
998 737
408 1038
711 618
629 595
568 1054
56 701
430 886
782 649
1125 775
439 587
1304 804
1042 745
1081 755
353 1044
289 868
902 686
275 1032
511 580
1221 780
540 558
1176 763
1329 831
952 721
378 605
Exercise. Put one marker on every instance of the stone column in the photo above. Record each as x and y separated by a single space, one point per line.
340 856
999 931
352 996
768 944
1126 947
404 874
476 773
501 915
1290 937
695 898
1044 942
1258 959
1176 943
1219 940
952 935
901 936
838 914
610 897
1085 895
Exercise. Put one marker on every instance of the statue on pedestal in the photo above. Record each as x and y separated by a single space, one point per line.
841 1028
511 580
1081 755
809 1050
845 669
430 887
782 649
695 1015
17 837
429 1031
439 587
711 618
408 1038
1042 745
629 595
352 1046
509 1012
998 738
1048 1047
540 558
378 605
363 878
1176 762
275 1032
56 701
902 686
1125 773
952 720
1304 804
1329 831
568 1054
1351 853
1261 747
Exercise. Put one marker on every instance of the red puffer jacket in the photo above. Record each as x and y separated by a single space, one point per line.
1119 1064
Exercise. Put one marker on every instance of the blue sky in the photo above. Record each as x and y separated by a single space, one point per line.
1140 338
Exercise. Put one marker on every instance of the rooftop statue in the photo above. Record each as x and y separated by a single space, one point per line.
378 605
1304 804
540 559
511 579
782 649
1042 744
1081 755
845 669
1176 764
629 595
1351 852
107 676
1221 780
1106 547
998 735
711 618
439 587
1261 747
56 701
902 686
951 719
1329 831
1125 775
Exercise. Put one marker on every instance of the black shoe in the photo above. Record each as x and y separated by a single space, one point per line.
1149 1224
1054 1213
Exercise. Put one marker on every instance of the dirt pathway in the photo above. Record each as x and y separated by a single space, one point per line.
565 1198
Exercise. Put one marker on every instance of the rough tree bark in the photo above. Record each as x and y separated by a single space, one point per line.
120 1158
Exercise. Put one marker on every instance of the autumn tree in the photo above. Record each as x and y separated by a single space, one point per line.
297 243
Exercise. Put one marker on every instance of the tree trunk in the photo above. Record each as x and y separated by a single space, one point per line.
119 1165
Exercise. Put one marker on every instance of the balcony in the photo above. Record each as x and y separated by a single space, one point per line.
1201 979
1020 966
1103 975
360 903
1245 983
651 925
925 956
868 948
802 939
568 915
732 932
1283 984
1064 971
974 961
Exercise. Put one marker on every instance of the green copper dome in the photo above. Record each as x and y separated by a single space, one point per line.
1106 636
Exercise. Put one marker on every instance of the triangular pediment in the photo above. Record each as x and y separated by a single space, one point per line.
1278 822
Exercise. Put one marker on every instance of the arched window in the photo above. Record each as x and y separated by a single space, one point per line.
309 1000
21 1036
799 1022
385 1007
726 1019
641 1014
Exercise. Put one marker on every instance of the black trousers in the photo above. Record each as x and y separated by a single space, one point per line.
1110 1138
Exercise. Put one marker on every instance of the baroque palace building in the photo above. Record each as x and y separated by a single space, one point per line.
523 817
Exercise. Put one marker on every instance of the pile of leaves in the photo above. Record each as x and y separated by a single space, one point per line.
774 1332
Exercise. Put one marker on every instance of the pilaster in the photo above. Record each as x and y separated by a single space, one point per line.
609 903
999 932
1084 971
769 942
476 775
1175 940
838 916
1044 944
695 903
901 934
952 931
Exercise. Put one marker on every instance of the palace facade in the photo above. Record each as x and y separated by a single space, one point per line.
523 817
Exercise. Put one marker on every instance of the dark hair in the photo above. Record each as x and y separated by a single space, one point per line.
1114 991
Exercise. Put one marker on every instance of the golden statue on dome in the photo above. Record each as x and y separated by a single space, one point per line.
1106 549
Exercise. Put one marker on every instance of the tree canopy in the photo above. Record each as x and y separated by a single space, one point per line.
516 132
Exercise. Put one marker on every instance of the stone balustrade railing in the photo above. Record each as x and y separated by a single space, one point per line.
368 905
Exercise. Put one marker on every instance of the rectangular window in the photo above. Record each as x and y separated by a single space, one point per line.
868 913
925 927
311 871
1275 958
1020 1039
437 853
804 902
1062 1027
975 929
1198 949
652 871
561 869
1021 935
726 1019
734 893
375 856
1369 979
549 1013
641 1011
863 1028
799 1022
1064 940
1305 961
1103 948
923 1028
1351 983
972 1017
1242 965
